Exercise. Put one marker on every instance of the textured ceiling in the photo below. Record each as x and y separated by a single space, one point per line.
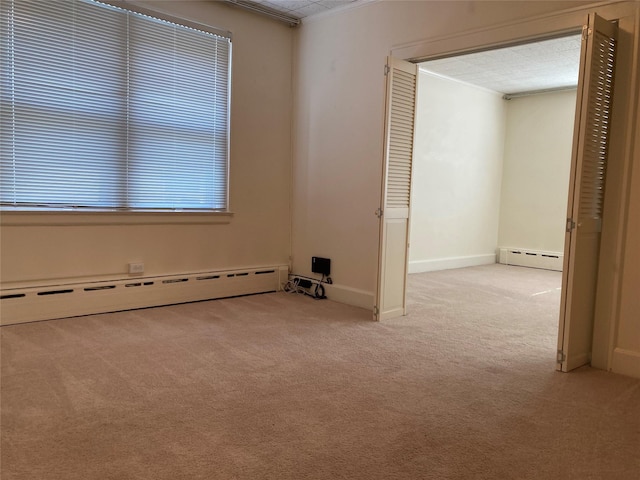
548 64
300 8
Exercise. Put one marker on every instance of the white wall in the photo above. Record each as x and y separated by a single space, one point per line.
457 173
462 187
338 122
626 338
537 165
44 250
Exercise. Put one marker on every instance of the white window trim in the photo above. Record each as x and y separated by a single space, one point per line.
101 217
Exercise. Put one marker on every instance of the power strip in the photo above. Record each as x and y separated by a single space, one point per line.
306 286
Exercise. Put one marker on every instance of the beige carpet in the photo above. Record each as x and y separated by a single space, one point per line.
281 386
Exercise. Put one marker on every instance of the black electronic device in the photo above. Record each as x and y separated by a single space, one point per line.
321 265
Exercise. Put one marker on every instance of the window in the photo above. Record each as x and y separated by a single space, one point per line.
104 108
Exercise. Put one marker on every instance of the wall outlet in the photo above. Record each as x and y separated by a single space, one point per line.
136 267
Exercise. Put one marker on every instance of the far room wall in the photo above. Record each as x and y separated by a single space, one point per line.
488 173
459 143
537 164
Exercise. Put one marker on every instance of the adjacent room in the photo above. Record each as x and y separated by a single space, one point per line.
494 132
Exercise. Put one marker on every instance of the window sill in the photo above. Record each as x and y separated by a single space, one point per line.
16 218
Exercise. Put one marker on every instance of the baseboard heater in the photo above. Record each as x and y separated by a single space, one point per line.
531 258
62 300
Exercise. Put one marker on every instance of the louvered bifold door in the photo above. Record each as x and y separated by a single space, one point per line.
396 188
587 193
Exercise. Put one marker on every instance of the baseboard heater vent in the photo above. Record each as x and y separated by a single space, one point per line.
531 258
47 302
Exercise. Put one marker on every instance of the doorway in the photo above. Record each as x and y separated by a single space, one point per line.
492 156
586 199
491 169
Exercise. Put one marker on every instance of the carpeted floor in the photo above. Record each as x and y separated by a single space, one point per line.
281 386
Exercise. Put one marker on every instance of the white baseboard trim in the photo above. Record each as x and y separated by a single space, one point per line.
350 296
626 362
420 266
57 299
524 257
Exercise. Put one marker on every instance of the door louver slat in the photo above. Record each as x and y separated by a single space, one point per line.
596 142
401 140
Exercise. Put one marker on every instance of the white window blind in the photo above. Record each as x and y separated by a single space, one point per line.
109 109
